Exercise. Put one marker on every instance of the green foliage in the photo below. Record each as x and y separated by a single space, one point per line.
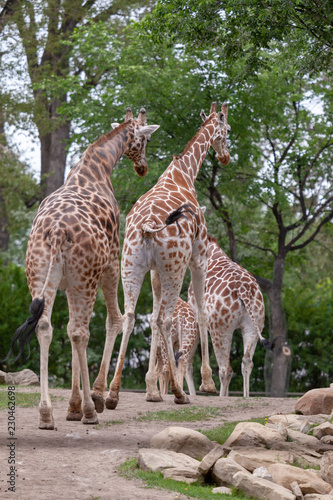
22 399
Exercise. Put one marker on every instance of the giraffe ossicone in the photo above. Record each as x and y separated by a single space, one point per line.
74 245
166 254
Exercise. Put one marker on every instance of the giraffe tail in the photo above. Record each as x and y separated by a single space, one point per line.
23 334
172 218
264 342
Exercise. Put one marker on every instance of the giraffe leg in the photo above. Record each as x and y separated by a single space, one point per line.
132 289
152 392
189 366
74 411
249 342
170 289
198 273
222 344
109 284
44 333
80 309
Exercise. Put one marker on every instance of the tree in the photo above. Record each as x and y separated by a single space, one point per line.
247 28
34 32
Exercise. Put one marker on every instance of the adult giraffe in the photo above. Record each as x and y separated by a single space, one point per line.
233 300
74 245
150 243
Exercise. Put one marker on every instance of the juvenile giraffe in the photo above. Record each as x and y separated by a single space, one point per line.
185 338
150 243
74 245
233 300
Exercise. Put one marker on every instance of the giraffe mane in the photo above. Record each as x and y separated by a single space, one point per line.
211 239
106 137
190 143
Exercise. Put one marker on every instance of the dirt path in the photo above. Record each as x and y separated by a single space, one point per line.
81 462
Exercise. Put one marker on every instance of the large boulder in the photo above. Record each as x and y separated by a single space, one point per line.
252 458
183 440
261 488
253 434
23 377
225 469
308 481
315 402
158 460
185 474
326 467
325 429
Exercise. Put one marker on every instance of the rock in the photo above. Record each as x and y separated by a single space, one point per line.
261 488
326 467
158 460
253 434
308 481
295 422
223 490
184 474
327 440
315 496
303 439
252 458
315 401
263 473
224 470
183 440
296 490
209 460
24 377
325 429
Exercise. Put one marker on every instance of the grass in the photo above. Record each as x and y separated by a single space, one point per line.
187 414
221 434
22 399
131 470
109 423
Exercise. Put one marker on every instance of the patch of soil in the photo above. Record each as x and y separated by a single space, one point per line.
81 462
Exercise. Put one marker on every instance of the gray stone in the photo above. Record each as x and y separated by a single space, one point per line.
252 458
263 473
223 490
325 429
326 467
296 490
209 460
261 488
224 470
24 377
315 496
184 474
303 439
183 440
157 460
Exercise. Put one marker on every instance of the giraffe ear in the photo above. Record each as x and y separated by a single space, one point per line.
203 209
148 129
114 125
203 115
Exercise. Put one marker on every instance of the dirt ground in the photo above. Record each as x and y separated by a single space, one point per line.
81 462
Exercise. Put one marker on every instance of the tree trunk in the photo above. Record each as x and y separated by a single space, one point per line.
277 362
4 226
54 153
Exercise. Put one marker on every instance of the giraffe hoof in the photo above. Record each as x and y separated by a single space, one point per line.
98 402
154 397
46 425
111 403
74 415
208 388
90 420
183 400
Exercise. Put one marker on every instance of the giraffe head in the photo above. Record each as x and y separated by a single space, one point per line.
220 142
136 150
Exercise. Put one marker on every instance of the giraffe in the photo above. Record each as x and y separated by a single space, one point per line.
152 242
74 245
185 338
233 300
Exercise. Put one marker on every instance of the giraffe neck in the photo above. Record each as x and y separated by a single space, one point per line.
100 157
195 152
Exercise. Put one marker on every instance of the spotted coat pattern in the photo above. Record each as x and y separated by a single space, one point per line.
233 300
74 245
166 253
